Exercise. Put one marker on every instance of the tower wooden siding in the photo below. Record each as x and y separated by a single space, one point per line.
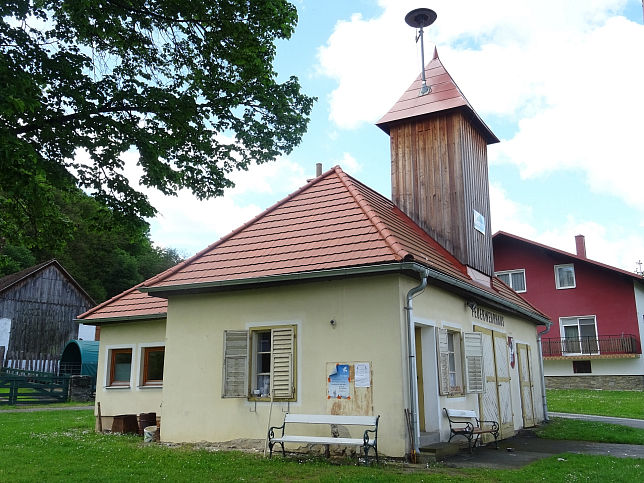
439 176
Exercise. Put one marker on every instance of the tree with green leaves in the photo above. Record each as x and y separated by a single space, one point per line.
104 251
189 84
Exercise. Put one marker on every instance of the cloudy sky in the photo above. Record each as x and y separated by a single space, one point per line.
560 82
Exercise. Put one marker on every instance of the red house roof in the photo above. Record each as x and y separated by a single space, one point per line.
445 95
500 234
333 222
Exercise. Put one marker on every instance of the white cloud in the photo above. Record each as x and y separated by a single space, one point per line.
349 164
186 223
508 215
592 123
564 73
494 49
609 246
612 246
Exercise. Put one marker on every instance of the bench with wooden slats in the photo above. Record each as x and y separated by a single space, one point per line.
368 441
463 422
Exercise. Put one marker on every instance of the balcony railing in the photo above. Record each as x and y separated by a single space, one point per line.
603 345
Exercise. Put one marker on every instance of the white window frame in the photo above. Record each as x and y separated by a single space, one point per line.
108 366
140 356
445 359
254 353
563 323
558 282
509 273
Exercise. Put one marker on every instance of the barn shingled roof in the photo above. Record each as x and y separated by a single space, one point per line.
13 279
333 222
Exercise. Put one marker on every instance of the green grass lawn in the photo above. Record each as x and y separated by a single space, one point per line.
621 404
62 446
560 428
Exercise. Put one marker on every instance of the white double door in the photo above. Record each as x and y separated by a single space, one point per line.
496 400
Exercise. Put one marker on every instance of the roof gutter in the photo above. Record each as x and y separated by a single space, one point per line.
398 267
544 400
412 370
124 318
484 294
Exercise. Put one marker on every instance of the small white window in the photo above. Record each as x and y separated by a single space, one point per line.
514 279
565 276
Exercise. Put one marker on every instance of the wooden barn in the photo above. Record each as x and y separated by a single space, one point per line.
38 306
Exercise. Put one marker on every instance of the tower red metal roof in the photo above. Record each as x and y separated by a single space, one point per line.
445 95
333 222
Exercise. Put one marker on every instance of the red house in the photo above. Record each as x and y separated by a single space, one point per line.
597 312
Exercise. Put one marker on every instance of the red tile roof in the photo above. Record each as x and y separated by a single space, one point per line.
500 234
445 95
333 222
131 303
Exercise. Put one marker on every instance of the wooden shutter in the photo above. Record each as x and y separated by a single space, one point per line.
282 362
235 378
473 344
443 362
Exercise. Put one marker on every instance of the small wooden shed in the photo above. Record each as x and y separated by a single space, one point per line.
38 307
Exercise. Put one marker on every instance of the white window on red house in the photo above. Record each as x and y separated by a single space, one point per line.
513 278
565 276
579 335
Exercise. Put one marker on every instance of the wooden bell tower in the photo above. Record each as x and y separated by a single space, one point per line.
439 171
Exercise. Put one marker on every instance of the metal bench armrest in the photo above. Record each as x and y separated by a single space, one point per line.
495 425
271 433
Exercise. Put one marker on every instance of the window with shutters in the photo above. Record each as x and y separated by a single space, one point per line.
260 362
473 348
460 362
450 370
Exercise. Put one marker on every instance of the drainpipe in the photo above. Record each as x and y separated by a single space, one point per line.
543 379
411 350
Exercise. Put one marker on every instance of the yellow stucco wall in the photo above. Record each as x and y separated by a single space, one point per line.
133 399
436 307
368 328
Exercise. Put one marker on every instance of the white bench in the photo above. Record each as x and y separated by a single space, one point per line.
464 422
369 439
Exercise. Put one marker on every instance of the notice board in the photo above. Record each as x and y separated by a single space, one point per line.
356 397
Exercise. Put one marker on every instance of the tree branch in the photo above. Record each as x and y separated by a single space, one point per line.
59 120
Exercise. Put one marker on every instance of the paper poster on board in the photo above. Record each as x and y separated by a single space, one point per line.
339 382
363 374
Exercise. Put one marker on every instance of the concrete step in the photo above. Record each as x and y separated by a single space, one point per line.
429 438
440 450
